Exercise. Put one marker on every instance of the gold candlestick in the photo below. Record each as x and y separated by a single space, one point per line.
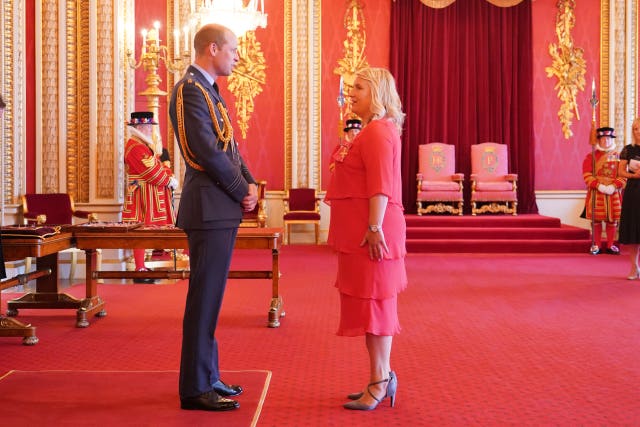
152 54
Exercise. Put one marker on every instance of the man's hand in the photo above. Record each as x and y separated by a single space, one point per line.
251 199
173 183
602 188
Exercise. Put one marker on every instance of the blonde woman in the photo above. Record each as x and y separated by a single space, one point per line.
629 167
368 231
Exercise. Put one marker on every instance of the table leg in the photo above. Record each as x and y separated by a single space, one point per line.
12 328
48 295
275 309
92 303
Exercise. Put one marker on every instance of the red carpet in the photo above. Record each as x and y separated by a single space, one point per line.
487 340
103 397
493 234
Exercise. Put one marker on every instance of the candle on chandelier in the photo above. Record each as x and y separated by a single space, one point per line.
593 88
176 43
341 86
186 39
156 25
144 40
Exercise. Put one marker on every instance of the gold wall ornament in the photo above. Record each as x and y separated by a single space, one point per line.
354 57
247 79
354 44
568 66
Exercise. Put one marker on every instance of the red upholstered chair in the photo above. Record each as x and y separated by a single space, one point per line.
301 206
258 216
493 188
54 209
439 186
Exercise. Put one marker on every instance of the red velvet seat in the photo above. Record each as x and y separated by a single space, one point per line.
54 209
57 209
301 206
258 216
439 186
493 188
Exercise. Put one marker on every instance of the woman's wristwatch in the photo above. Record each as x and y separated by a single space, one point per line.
375 228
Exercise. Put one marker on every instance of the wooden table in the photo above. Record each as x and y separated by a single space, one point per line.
11 327
47 294
90 240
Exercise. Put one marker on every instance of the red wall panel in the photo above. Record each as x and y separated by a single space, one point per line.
559 160
377 15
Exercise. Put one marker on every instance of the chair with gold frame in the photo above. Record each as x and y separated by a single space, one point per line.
301 206
54 209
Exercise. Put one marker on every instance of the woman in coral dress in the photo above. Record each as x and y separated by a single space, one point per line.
368 230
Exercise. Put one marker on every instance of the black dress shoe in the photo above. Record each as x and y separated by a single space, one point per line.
209 401
226 390
613 250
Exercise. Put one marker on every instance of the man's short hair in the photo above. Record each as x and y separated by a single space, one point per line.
210 33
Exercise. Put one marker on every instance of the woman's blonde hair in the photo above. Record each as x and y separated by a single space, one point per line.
385 101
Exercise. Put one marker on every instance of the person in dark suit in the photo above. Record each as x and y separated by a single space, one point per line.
217 188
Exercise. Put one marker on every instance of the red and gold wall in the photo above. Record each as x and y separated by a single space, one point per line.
295 123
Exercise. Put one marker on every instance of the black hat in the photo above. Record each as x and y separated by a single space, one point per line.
353 124
606 131
142 118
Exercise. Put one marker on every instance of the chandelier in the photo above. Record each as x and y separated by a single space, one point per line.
239 16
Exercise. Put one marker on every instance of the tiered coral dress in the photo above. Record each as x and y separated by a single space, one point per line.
368 289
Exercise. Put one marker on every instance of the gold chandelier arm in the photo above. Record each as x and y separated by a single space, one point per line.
131 60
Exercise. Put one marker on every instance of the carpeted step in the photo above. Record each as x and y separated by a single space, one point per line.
497 246
494 234
562 232
525 220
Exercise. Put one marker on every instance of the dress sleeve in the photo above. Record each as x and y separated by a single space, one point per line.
625 153
378 157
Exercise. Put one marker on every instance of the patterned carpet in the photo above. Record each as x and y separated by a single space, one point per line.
491 339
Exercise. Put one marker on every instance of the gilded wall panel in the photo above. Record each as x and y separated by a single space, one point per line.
301 100
50 97
72 81
619 66
618 119
288 98
302 28
316 117
81 137
105 187
6 77
604 61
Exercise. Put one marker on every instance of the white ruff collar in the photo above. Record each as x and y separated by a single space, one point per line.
610 148
141 136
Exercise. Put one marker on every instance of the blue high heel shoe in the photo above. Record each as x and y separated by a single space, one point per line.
392 386
393 382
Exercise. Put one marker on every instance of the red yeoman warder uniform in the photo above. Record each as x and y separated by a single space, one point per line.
604 185
148 198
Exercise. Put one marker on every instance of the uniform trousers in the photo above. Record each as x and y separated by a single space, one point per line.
209 259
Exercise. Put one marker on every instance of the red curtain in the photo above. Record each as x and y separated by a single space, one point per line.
464 74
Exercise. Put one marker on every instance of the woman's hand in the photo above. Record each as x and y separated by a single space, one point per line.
377 245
